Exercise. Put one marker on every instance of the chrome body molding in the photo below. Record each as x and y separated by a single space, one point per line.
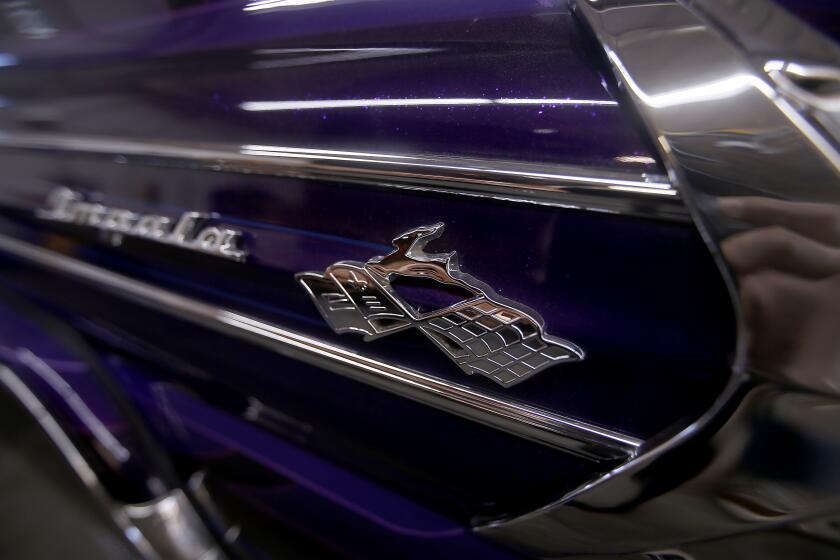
802 63
187 232
484 333
543 426
754 163
711 481
167 528
596 190
726 130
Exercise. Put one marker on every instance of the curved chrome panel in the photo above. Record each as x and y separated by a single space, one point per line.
744 475
596 190
745 153
760 172
586 440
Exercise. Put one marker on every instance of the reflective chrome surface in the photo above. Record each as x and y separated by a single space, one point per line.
788 271
187 232
174 528
727 129
774 462
575 436
760 171
592 189
483 333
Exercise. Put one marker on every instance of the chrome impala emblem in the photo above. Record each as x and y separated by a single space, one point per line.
483 333
187 232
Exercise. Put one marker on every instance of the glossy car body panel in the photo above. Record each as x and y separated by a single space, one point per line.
321 131
154 78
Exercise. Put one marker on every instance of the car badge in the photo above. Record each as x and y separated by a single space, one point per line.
483 333
189 231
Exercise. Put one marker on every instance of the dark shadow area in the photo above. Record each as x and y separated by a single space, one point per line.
47 511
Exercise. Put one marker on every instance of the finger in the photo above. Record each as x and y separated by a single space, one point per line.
792 325
775 248
820 222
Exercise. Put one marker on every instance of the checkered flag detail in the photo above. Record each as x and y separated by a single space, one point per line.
495 341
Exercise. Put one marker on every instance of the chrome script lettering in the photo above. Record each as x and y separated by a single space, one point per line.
188 231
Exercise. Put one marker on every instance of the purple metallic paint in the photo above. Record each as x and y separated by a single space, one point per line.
824 15
160 79
207 428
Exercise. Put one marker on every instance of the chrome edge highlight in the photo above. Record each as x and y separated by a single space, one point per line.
580 188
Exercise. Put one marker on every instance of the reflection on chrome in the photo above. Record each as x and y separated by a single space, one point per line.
572 187
646 160
644 190
7 59
272 4
421 161
257 149
724 133
727 126
293 105
722 88
788 271
76 403
790 77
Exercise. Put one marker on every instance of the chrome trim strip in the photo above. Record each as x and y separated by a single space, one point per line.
581 438
99 431
596 190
